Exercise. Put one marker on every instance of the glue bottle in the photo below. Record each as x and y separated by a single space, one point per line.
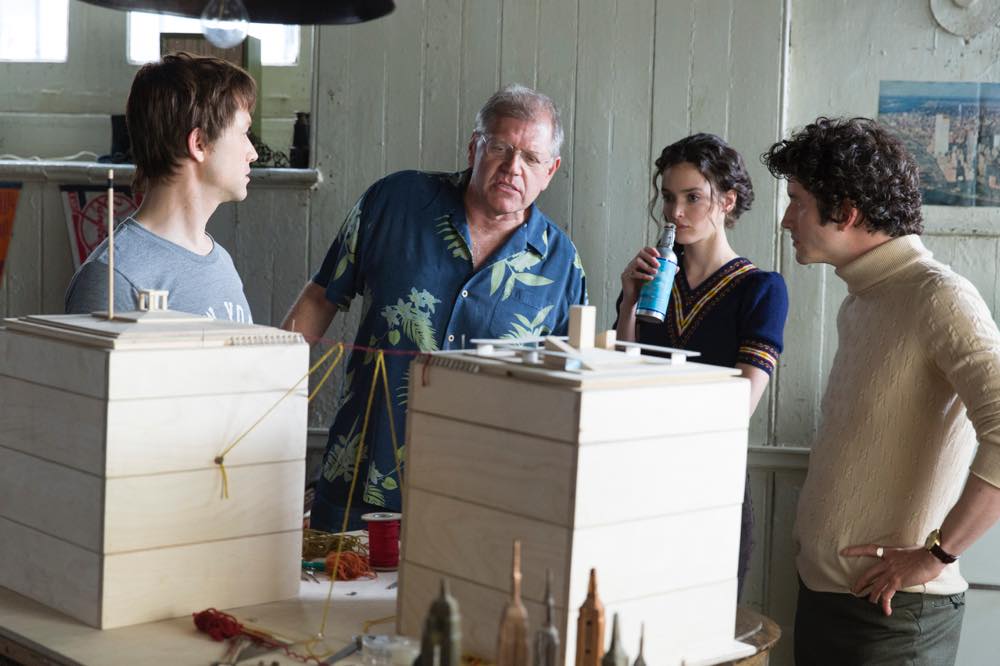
655 295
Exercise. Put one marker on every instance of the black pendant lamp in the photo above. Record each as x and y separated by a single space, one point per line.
289 12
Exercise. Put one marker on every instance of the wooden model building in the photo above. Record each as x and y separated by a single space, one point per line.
592 458
111 499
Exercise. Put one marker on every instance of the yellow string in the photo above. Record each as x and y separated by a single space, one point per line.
379 360
392 427
220 459
367 626
379 371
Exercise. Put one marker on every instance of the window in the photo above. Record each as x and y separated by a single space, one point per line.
35 30
279 44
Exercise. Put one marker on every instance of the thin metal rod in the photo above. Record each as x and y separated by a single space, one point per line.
111 243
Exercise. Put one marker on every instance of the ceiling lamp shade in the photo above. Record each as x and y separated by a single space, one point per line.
288 12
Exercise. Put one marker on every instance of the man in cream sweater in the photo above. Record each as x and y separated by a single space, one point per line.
897 488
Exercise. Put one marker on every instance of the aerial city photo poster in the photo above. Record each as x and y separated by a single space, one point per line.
953 130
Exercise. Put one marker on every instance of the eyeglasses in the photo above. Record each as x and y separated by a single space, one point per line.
497 149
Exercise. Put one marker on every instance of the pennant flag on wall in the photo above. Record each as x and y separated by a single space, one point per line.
9 192
86 209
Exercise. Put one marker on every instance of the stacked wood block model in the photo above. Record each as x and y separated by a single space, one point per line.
111 502
593 458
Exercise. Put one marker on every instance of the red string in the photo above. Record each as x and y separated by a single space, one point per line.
221 626
217 624
383 544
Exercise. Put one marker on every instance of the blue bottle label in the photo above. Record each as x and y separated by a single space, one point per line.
655 295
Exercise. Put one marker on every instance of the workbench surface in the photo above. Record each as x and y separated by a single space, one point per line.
33 634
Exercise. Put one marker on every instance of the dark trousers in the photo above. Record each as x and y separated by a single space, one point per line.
328 511
833 629
746 540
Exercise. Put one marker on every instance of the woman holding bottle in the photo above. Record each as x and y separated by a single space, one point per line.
720 304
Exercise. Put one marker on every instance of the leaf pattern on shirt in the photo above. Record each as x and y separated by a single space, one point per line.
412 318
456 242
527 328
403 390
518 265
339 462
378 483
349 238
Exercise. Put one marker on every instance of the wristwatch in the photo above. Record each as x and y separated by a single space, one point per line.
933 544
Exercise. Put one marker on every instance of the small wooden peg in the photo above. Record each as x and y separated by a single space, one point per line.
581 326
606 340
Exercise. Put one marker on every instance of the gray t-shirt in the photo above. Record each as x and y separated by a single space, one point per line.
204 285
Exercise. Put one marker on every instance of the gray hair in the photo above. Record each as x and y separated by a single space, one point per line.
523 103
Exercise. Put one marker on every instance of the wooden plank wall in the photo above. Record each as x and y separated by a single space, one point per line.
629 75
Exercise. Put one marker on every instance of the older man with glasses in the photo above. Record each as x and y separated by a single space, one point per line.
439 259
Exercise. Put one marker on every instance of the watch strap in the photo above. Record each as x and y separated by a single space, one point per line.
940 553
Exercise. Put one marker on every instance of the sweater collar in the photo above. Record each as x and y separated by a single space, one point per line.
883 261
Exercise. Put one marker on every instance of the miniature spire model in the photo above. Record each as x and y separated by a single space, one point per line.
512 643
640 661
441 643
547 638
615 656
590 627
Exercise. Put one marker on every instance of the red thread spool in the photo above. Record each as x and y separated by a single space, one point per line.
383 540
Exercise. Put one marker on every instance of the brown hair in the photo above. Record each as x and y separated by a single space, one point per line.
175 95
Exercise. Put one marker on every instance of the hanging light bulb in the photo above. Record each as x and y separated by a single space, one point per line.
224 23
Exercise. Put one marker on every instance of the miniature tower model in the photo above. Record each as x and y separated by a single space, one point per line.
640 660
442 640
512 642
547 637
573 446
590 627
615 656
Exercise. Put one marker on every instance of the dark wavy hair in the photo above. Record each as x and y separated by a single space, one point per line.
854 161
716 161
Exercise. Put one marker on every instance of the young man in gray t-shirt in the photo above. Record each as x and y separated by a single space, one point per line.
185 174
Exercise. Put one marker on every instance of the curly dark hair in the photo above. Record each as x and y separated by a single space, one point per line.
716 161
855 161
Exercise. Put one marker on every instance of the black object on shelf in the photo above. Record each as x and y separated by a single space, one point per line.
121 145
298 156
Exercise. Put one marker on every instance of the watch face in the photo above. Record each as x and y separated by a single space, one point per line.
932 540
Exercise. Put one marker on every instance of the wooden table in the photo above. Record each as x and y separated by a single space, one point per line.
759 631
33 634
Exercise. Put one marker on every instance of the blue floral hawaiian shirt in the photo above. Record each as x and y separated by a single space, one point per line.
404 248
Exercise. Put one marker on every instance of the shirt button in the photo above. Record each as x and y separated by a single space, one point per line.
465 293
451 338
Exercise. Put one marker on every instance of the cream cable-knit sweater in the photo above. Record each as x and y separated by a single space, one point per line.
917 350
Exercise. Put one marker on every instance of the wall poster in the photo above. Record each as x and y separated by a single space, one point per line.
953 130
